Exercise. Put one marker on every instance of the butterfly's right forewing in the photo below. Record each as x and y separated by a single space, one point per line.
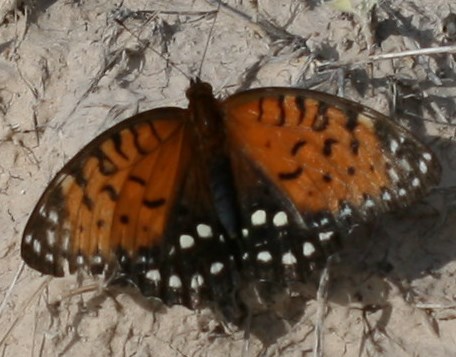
111 199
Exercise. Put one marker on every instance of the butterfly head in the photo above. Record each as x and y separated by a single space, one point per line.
205 115
198 89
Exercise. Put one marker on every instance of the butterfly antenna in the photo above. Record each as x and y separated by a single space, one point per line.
211 31
146 44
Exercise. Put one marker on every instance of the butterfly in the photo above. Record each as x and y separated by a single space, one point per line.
187 204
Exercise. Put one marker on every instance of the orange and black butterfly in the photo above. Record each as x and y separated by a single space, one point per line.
189 203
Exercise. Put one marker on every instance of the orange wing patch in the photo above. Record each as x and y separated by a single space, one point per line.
320 155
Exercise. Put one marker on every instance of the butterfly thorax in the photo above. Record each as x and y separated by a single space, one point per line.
206 118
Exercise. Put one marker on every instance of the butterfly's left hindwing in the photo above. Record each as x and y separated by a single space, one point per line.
278 246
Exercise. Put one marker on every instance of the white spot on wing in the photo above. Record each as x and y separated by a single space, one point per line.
53 216
186 241
386 196
264 256
50 236
42 211
308 249
393 175
197 281
37 247
346 211
97 260
216 268
258 217
28 238
65 241
245 232
204 231
324 221
80 260
394 145
405 165
423 167
427 156
280 219
49 258
415 182
153 275
289 259
123 259
325 236
369 203
174 282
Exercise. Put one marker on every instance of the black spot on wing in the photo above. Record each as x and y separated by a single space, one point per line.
124 219
140 181
87 201
117 141
155 132
299 101
327 177
281 103
105 164
354 146
352 120
154 203
111 192
297 146
292 175
138 146
321 120
327 146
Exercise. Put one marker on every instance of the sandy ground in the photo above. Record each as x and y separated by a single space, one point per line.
69 70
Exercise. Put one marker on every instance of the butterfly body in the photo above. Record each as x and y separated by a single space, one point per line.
188 204
208 127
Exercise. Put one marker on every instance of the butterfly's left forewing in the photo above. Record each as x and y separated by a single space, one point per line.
327 154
